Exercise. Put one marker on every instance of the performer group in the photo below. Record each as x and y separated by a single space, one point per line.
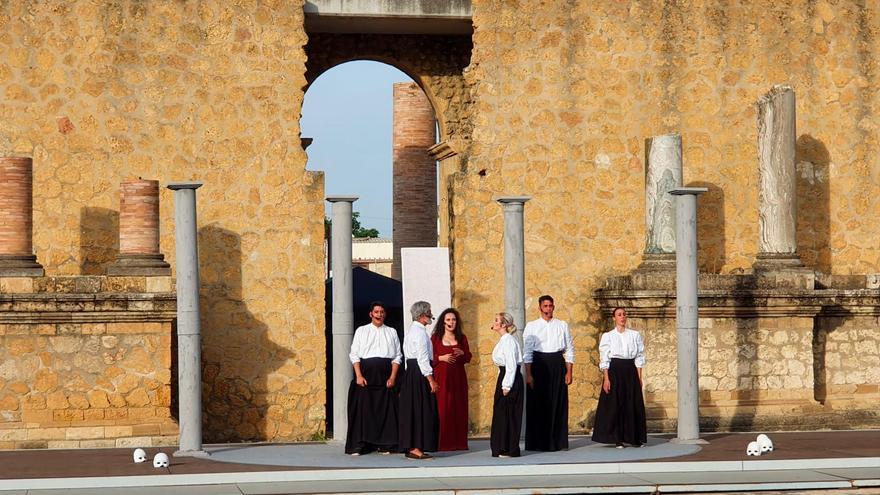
416 401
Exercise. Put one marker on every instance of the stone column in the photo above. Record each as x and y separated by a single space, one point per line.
139 231
342 326
189 350
662 174
777 196
514 267
415 172
514 258
17 257
687 315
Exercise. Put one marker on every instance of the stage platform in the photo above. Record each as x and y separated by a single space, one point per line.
828 460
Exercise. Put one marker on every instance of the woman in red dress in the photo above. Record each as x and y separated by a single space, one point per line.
451 353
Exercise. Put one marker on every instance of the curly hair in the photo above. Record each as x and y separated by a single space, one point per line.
440 327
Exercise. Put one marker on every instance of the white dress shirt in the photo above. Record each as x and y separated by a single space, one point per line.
626 345
417 345
371 341
508 354
547 336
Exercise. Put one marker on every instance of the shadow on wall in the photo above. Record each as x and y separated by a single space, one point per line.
98 239
711 236
237 355
829 319
813 198
479 399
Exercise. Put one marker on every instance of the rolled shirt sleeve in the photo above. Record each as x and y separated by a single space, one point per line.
569 345
511 364
530 342
423 352
356 345
604 352
640 351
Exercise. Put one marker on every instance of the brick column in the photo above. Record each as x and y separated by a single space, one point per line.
415 172
17 257
139 231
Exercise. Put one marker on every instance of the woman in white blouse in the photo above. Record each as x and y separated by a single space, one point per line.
620 415
508 408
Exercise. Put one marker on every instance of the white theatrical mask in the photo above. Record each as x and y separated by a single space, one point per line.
765 443
753 449
139 455
160 461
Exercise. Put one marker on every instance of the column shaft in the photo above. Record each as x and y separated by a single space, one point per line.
415 172
139 231
662 174
189 350
687 314
343 310
777 196
16 211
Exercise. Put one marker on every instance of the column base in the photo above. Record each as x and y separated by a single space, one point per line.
777 262
657 262
20 265
191 453
694 441
130 265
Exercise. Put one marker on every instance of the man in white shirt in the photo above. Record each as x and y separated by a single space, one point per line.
548 357
419 422
372 400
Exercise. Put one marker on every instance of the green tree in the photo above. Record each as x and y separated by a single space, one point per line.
356 229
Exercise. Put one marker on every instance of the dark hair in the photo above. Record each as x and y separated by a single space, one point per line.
440 327
614 311
377 303
543 298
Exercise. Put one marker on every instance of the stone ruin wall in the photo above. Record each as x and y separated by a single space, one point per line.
98 92
99 379
565 94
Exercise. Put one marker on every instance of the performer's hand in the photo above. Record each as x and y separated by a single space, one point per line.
505 391
529 381
362 381
389 383
606 386
447 358
457 352
433 384
568 378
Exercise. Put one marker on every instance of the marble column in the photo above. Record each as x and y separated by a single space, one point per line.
777 196
189 345
342 324
17 257
139 231
687 314
663 172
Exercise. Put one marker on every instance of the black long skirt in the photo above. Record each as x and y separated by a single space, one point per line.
419 422
620 415
507 417
372 410
547 404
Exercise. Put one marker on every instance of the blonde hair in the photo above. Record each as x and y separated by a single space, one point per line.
507 321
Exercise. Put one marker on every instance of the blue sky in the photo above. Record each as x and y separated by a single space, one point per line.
348 112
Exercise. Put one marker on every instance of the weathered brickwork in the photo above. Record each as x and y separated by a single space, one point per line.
565 94
414 191
97 92
16 209
99 375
